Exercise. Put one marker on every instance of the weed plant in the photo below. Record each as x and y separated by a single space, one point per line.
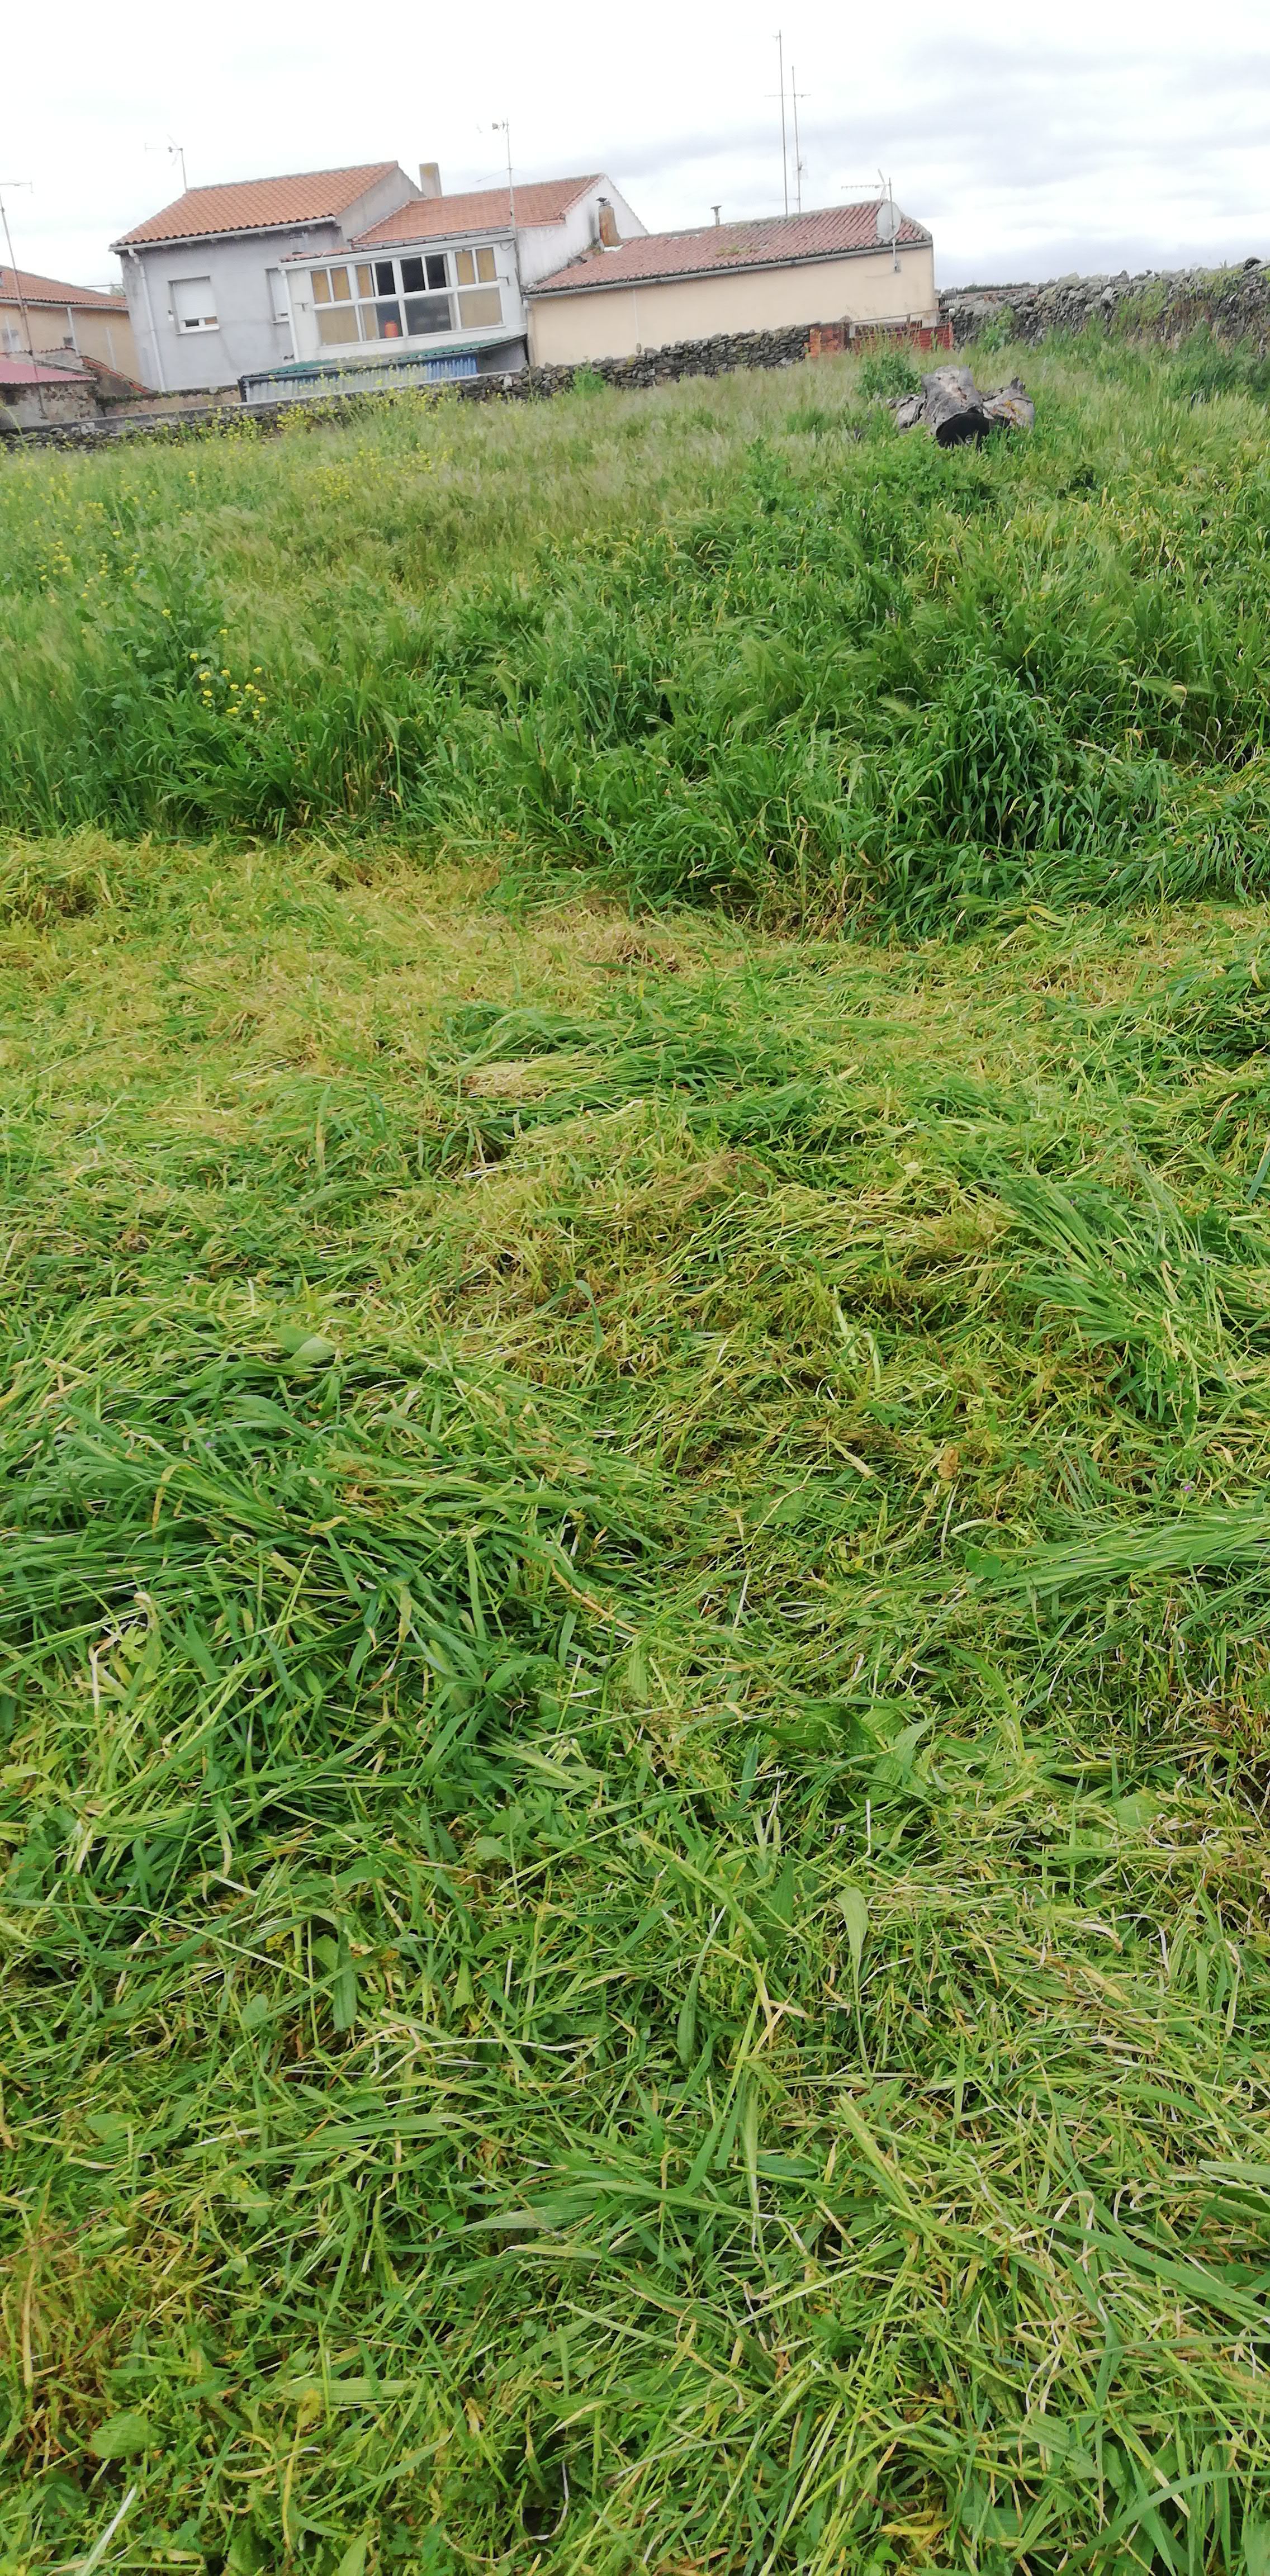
634 1615
694 644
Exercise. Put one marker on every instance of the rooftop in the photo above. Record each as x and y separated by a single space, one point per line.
21 285
260 205
765 241
479 210
22 371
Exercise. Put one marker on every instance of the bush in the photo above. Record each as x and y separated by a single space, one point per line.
887 373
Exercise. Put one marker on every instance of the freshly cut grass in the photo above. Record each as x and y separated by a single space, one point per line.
634 1664
740 641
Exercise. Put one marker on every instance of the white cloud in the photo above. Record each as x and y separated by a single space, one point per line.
1125 140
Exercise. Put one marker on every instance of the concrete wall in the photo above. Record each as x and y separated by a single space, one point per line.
617 321
247 337
94 334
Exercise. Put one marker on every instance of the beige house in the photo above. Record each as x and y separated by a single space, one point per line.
64 318
844 264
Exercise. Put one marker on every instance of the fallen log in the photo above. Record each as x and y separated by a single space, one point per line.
952 408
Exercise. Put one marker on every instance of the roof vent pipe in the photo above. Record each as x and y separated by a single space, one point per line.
430 179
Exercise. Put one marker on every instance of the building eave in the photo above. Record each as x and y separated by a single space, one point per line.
239 232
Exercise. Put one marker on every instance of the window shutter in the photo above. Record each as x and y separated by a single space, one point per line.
194 303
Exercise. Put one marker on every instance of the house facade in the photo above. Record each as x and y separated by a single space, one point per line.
854 265
206 280
438 287
83 320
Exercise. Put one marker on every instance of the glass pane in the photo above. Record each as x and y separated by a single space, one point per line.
485 268
465 268
365 284
385 282
436 268
383 321
341 291
337 324
321 286
426 313
412 277
483 305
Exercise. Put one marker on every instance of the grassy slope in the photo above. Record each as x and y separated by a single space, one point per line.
634 1672
741 639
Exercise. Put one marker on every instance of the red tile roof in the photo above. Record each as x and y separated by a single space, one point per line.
260 205
766 241
20 284
21 371
480 210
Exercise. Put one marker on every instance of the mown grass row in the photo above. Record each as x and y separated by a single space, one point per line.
741 642
633 1646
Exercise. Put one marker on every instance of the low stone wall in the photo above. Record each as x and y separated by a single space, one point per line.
1158 304
719 356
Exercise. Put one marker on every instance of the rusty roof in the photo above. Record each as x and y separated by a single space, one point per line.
479 210
260 205
765 241
21 285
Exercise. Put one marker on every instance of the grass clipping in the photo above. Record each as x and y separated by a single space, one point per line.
634 1620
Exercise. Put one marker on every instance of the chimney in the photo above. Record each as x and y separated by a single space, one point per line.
716 211
609 238
429 179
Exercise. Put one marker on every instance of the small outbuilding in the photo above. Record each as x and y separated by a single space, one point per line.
851 267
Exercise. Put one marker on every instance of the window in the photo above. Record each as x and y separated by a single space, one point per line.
277 294
427 313
408 298
479 307
337 325
193 304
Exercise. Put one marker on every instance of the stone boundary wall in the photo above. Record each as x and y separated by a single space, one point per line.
718 356
1159 304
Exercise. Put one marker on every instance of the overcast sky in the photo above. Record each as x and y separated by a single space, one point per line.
1108 134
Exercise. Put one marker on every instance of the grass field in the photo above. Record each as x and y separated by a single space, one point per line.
635 1413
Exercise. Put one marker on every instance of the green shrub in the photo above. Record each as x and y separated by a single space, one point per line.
887 372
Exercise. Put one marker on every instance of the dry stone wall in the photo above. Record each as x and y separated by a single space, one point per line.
1159 304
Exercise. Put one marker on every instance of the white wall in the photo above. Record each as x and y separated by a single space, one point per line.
617 321
544 247
247 337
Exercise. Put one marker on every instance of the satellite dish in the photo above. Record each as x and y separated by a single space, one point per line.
889 220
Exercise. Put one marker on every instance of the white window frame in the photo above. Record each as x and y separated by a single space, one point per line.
205 322
281 310
361 304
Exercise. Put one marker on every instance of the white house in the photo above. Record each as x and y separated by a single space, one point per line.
438 286
205 280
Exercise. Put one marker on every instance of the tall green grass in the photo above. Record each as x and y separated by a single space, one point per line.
741 642
634 1662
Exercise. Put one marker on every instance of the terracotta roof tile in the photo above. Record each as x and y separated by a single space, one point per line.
22 283
765 241
22 371
540 201
259 205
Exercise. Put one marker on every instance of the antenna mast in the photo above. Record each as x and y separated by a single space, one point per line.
780 56
17 280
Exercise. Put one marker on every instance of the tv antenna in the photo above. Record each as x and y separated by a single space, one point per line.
11 184
780 57
795 94
503 125
175 152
